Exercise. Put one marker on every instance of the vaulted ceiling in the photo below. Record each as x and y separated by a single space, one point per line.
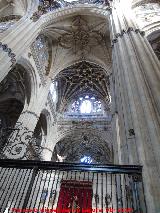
155 43
147 15
14 7
75 146
136 3
79 38
83 78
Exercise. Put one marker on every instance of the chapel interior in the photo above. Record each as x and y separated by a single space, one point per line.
80 106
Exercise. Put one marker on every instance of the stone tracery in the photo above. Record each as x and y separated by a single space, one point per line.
42 54
76 146
46 6
133 84
155 43
82 78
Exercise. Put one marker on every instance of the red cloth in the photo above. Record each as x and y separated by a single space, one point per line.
81 189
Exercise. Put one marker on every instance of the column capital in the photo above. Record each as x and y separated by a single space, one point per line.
11 54
126 31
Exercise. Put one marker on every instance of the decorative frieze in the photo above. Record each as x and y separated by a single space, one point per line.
51 105
38 65
9 18
32 113
120 35
5 48
142 2
47 6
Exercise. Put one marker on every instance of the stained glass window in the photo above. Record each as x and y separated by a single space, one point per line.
71 0
53 91
87 105
42 46
86 159
5 25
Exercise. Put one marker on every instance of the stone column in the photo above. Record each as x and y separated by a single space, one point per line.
137 90
15 42
19 142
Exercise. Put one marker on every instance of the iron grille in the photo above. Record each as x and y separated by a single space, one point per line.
42 186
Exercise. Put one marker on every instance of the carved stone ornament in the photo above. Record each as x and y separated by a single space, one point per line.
46 6
78 145
82 78
10 17
121 34
141 2
5 48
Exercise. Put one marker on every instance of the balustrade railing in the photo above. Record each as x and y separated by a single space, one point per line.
41 186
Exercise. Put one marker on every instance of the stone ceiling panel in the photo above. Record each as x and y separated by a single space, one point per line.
77 145
79 79
80 38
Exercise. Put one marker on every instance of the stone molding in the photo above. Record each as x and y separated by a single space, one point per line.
29 112
5 48
41 10
140 3
51 106
10 17
38 65
62 12
121 34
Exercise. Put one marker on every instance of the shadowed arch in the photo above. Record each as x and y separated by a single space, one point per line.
73 146
32 76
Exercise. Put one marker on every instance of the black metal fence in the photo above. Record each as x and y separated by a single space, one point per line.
34 186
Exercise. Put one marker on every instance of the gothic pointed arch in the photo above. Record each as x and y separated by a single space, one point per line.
12 11
154 39
81 144
15 95
79 38
82 80
41 50
32 77
41 132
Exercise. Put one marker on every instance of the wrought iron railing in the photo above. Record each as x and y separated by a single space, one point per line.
34 186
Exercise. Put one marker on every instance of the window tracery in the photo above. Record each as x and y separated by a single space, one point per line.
81 80
46 6
86 159
84 147
5 25
156 46
87 105
8 21
42 49
41 53
53 90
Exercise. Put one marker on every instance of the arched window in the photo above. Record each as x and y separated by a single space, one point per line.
53 90
42 47
5 25
87 105
86 159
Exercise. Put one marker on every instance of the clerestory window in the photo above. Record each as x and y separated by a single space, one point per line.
87 105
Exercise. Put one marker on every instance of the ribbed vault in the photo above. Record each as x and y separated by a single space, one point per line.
75 146
80 79
79 38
